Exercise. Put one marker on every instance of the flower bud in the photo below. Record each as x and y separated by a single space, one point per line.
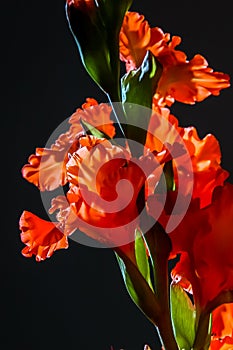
95 26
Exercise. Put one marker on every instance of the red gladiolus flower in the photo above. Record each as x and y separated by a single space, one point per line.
205 155
181 80
104 184
47 167
96 173
204 239
222 328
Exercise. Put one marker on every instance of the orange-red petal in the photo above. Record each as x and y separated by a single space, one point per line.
46 168
135 36
206 162
42 238
222 328
97 115
206 235
189 82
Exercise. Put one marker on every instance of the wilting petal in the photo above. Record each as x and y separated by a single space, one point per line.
42 238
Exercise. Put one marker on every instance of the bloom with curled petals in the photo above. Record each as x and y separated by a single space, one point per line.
97 115
222 328
42 238
204 239
204 154
47 167
105 182
181 80
206 161
189 82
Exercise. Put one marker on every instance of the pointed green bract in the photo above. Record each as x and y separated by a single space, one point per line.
90 129
183 317
138 289
127 281
142 258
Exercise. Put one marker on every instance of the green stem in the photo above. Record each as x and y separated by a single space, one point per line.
203 334
120 120
166 336
160 246
165 328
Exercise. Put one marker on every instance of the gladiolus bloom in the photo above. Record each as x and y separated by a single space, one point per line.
181 80
104 184
47 167
204 239
94 172
205 155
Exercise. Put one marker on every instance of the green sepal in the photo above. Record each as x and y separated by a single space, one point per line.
127 281
142 258
138 87
169 176
183 317
91 130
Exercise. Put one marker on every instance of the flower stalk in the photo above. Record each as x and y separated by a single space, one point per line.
159 245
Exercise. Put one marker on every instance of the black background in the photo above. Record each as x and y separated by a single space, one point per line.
76 300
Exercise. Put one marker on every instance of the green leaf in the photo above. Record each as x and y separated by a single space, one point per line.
183 317
138 87
138 289
142 258
128 282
